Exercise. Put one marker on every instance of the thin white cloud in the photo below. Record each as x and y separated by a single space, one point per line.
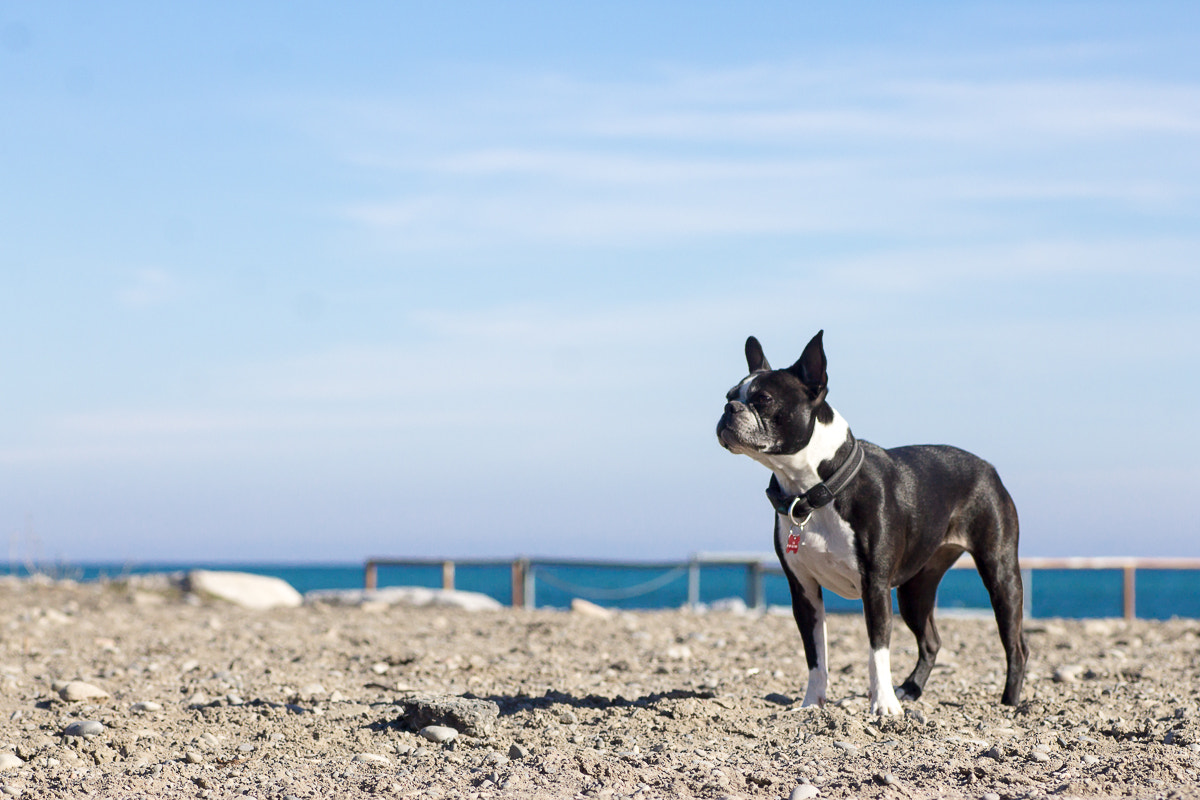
148 288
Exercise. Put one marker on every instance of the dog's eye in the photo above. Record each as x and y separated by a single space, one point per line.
760 400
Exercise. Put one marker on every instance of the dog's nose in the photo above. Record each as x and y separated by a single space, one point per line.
733 406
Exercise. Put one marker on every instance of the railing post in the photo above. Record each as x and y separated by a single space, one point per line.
370 575
518 583
530 588
1130 591
694 583
1027 593
448 575
754 584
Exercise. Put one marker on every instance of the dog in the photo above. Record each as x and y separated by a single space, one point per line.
859 520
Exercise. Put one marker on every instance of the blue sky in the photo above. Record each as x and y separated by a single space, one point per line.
321 281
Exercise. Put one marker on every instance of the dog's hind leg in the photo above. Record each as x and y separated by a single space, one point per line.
917 598
1001 573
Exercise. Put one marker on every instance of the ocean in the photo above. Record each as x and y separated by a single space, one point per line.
1078 594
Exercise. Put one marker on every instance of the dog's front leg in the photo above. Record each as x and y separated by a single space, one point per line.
877 608
808 609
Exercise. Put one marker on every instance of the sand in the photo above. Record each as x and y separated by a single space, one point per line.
200 699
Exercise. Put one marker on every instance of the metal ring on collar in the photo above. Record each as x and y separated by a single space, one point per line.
792 515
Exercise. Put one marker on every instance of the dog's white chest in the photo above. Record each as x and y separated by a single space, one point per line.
823 549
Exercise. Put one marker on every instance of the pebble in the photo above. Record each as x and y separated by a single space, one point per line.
518 751
10 761
1068 673
193 757
850 749
370 758
439 734
145 707
83 727
991 796
887 779
806 791
76 691
1039 756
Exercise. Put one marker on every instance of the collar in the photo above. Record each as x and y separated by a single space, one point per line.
798 507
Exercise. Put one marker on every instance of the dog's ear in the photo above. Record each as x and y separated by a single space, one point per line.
810 367
755 359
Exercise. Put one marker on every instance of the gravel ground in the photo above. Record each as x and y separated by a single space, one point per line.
138 690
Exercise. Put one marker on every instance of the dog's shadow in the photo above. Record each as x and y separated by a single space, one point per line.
511 705
515 704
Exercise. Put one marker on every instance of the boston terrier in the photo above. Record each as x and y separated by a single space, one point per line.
858 519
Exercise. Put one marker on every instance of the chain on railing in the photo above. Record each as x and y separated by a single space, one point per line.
599 593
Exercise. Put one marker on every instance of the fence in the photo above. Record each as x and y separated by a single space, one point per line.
527 571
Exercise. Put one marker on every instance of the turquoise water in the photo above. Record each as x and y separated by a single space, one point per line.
1161 594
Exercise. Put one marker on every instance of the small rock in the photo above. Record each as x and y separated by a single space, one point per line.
994 753
145 707
806 791
193 757
370 758
518 751
1090 759
1068 673
198 700
84 727
991 796
585 608
1039 756
77 691
234 700
568 718
380 667
439 734
915 715
847 747
10 761
312 691
887 779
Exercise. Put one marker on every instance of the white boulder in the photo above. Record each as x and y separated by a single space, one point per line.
244 589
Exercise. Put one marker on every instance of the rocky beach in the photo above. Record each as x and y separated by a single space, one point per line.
142 688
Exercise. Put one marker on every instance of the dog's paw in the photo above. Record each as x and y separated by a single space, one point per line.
908 691
886 706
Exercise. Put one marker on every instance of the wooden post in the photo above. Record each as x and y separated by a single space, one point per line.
370 576
694 583
1130 591
518 583
754 585
447 574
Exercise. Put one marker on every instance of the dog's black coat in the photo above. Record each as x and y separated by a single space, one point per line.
913 511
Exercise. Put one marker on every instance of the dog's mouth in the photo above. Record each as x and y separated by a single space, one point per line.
731 438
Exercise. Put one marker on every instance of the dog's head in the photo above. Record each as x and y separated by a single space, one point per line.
773 412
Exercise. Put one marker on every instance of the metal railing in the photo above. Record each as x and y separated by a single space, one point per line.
526 572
